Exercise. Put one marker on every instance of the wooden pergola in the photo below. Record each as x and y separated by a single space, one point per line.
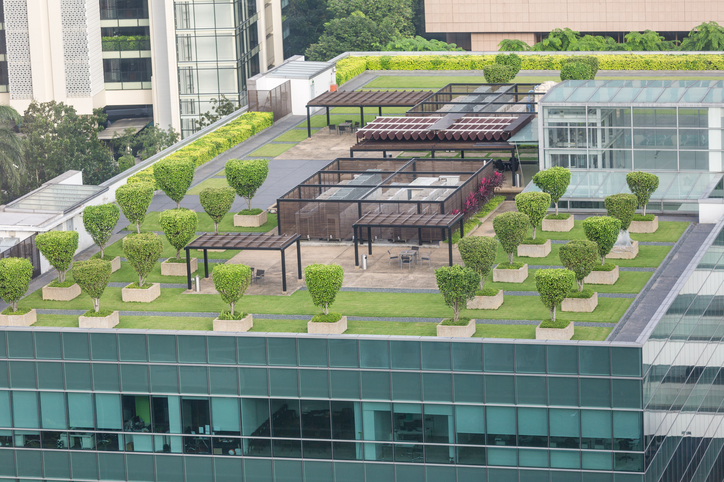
249 241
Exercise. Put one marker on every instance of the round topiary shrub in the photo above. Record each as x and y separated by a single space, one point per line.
497 74
231 281
15 276
534 205
579 256
100 221
246 177
93 276
602 230
217 201
457 285
510 229
553 285
554 181
126 162
642 185
142 251
576 71
134 200
512 61
621 207
323 282
174 177
179 226
58 247
478 253
589 60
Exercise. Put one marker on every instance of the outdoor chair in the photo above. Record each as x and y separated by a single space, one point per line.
392 256
333 128
409 260
355 127
258 275
426 257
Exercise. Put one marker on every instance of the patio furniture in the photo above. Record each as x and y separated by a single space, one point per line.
258 276
426 257
355 127
392 256
345 126
333 128
407 256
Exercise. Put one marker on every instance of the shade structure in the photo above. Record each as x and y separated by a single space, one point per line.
479 129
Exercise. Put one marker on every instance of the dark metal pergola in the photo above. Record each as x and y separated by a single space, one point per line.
250 241
419 221
462 147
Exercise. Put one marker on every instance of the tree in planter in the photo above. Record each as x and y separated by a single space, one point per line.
134 200
553 285
58 247
323 282
15 276
534 205
510 229
643 185
478 254
217 201
246 177
142 251
457 285
231 281
580 257
179 226
93 276
554 181
602 230
174 177
100 221
621 207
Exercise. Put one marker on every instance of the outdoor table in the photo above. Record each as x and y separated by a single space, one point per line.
409 253
343 126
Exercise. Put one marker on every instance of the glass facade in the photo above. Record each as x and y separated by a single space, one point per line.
126 44
3 52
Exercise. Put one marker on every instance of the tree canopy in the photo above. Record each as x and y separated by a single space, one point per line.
353 33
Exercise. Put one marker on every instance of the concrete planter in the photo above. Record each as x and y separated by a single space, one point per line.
177 269
250 220
644 226
61 294
19 320
98 321
580 305
558 225
486 302
242 325
510 275
602 277
336 328
535 250
115 264
624 253
141 295
554 333
456 331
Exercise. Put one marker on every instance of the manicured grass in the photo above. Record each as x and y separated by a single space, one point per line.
355 110
669 231
628 282
528 331
335 119
116 249
294 135
211 182
151 223
648 257
271 150
126 273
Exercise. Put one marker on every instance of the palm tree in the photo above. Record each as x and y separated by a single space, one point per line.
11 148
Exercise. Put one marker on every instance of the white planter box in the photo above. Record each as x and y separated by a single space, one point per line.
115 264
580 305
558 225
554 333
510 275
602 277
178 269
243 325
644 226
61 294
535 250
486 302
336 328
19 320
624 253
250 220
98 321
141 295
448 331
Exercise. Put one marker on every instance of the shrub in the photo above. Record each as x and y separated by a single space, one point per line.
231 281
93 276
15 276
602 230
174 177
457 285
323 282
580 257
554 181
590 60
497 74
246 177
643 185
478 254
512 61
510 229
217 201
126 162
58 247
134 199
621 207
534 205
142 251
100 221
576 71
179 226
553 285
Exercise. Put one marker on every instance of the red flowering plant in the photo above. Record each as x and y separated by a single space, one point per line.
480 196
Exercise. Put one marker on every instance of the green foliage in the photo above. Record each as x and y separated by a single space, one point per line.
353 33
305 19
219 108
134 199
246 176
580 257
498 74
217 201
15 276
512 61
330 318
126 162
142 251
323 282
478 254
554 181
705 37
621 207
397 16
643 217
558 40
179 226
602 230
590 60
643 185
583 294
174 177
231 281
58 247
558 217
487 292
534 205
228 315
93 276
510 229
515 265
538 241
513 45
100 221
126 42
250 212
462 321
555 324
647 41
553 285
457 285
12 160
419 44
576 71
607 266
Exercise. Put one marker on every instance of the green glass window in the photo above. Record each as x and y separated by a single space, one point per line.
253 381
25 410
594 360
318 471
407 422
343 353
530 359
164 379
435 356
56 465
466 474
193 379
627 431
347 420
108 412
283 382
52 410
498 357
314 383
75 346
225 416
251 350
105 377
566 459
255 415
377 418
22 374
409 473
84 465
533 458
3 352
467 357
134 378
499 389
563 391
470 425
437 387
345 384
50 376
162 348
468 388
191 349
257 470
507 457
316 419
111 466
5 409
562 360
375 385
171 469
78 376
29 463
596 461
373 354
501 425
7 463
138 466
596 429
223 380
406 386
595 392
531 390
199 469
626 362
103 346
80 411
312 353
564 428
282 351
47 346
132 347
20 344
532 427
225 469
221 350
626 393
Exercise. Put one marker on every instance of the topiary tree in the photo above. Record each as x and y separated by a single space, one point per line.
246 177
323 282
231 281
58 247
217 201
589 60
534 205
576 71
179 226
512 61
174 177
15 276
579 256
621 207
510 229
457 285
134 200
100 221
93 276
497 74
554 181
553 285
478 254
126 162
142 251
643 185
602 230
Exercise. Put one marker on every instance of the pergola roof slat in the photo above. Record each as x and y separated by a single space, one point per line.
404 220
369 99
243 241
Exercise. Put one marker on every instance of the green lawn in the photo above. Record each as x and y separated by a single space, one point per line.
151 223
648 257
116 249
669 231
319 121
211 182
294 135
271 150
126 272
628 282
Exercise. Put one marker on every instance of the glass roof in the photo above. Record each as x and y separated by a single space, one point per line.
56 197
671 92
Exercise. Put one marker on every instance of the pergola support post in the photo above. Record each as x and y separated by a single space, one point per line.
356 246
206 264
449 245
462 228
284 272
361 116
309 124
188 269
327 116
299 260
369 240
